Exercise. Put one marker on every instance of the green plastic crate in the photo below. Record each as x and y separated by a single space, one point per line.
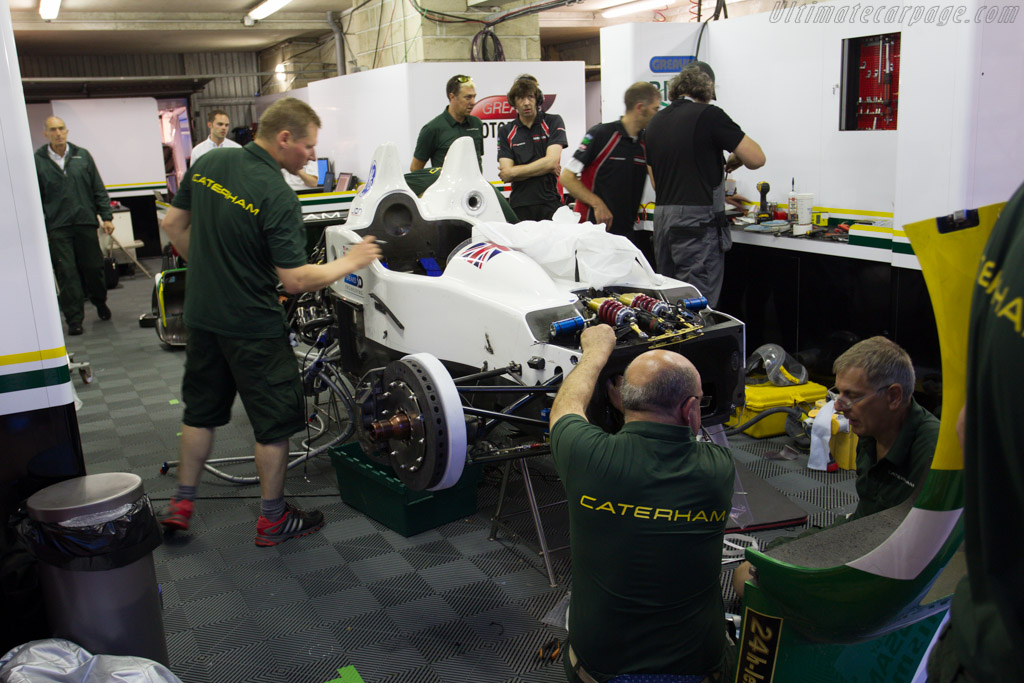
377 493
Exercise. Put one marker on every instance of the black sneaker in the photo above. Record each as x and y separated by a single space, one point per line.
75 330
293 523
103 311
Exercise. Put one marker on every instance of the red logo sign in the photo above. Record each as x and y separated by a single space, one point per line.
497 107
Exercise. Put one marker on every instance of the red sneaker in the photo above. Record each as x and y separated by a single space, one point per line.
175 517
293 524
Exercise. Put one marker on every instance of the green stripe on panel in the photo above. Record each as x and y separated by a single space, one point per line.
34 379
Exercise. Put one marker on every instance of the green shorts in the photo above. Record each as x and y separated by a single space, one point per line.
264 372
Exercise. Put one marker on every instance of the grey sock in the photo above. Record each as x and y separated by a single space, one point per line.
185 492
273 508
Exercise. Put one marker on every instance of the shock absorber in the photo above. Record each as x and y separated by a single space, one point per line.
652 324
615 314
697 303
567 326
647 303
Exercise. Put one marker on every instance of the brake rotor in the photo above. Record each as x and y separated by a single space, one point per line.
419 424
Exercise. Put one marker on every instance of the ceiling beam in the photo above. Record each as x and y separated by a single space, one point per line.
165 21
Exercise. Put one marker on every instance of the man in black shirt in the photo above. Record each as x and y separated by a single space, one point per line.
607 171
685 142
530 151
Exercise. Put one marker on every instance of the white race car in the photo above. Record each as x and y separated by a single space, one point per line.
462 333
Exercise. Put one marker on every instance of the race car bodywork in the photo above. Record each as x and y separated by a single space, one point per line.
460 297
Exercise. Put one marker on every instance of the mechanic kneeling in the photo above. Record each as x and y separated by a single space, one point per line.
647 511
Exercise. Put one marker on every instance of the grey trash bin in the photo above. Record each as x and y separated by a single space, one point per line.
94 537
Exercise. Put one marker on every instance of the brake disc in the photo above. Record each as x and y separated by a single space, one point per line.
419 423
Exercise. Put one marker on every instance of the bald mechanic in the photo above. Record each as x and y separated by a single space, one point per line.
73 194
896 435
685 143
647 514
240 227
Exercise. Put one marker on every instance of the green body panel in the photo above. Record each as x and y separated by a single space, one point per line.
944 490
891 658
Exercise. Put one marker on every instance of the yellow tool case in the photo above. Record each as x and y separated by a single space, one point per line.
761 397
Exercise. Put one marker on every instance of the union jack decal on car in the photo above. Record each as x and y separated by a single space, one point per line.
481 252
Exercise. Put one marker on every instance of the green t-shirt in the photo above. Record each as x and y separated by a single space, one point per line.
885 483
648 508
988 606
441 131
245 222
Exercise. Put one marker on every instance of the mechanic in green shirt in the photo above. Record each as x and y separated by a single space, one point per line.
896 436
986 629
451 124
73 194
648 508
240 226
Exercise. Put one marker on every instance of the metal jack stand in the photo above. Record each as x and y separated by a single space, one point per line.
497 521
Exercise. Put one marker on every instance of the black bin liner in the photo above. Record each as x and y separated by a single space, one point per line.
110 545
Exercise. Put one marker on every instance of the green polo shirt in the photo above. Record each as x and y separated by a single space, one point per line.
885 483
648 508
245 222
441 131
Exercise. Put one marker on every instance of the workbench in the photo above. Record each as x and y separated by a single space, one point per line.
817 296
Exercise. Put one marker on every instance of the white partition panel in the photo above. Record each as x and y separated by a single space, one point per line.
779 77
360 111
123 136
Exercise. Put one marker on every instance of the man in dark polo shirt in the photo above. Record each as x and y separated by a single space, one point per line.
685 142
530 152
240 226
647 513
607 171
451 124
896 435
982 643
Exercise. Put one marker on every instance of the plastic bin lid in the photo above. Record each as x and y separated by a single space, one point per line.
84 495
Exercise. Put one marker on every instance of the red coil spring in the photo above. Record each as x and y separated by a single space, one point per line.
611 312
694 11
644 302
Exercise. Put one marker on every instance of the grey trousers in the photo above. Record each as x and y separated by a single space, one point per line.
695 255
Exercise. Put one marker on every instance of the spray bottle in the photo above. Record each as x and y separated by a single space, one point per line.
791 209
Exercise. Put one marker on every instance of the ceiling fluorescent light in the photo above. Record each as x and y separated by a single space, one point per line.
49 9
266 8
598 5
634 7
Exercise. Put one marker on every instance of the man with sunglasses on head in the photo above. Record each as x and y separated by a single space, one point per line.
648 507
896 435
451 124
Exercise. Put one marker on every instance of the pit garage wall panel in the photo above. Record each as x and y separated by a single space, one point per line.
960 126
362 110
37 419
123 137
